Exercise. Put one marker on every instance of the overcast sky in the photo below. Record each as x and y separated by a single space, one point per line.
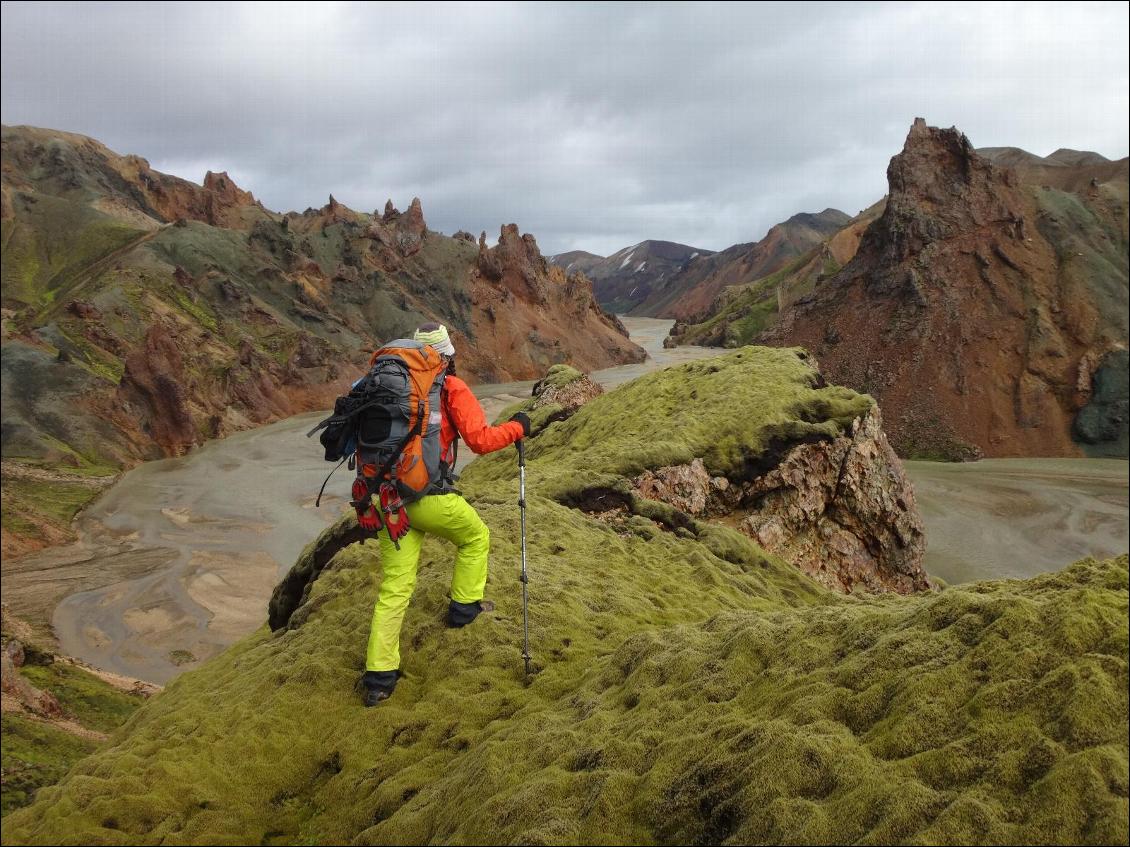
592 126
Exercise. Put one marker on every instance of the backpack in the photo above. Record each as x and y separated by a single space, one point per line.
388 425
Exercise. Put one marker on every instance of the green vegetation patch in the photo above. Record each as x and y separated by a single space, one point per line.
751 308
37 752
676 699
53 247
95 704
197 311
56 500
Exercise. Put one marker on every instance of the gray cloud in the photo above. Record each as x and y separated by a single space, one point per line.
592 126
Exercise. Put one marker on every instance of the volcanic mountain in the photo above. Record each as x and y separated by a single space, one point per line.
143 314
628 278
578 260
690 293
986 307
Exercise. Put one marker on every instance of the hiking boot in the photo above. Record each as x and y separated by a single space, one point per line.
461 614
377 686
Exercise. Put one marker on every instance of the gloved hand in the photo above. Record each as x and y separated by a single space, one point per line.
524 420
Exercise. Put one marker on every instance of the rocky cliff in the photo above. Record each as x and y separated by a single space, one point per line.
687 685
143 314
982 309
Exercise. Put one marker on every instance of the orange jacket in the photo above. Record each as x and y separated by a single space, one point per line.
463 414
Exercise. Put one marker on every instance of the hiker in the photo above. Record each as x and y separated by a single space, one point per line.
442 512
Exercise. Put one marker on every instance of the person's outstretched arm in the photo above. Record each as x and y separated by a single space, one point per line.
471 422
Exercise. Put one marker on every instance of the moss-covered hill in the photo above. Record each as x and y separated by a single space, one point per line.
688 688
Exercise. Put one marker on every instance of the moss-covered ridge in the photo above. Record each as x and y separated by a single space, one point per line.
733 411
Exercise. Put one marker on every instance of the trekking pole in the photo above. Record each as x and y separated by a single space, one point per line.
521 445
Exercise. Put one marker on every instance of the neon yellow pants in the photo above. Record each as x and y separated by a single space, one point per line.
448 516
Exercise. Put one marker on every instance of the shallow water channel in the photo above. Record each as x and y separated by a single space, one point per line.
206 536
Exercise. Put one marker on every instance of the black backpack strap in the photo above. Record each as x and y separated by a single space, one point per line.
322 490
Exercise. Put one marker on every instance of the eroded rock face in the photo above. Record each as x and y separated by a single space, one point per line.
153 385
403 234
689 488
536 314
203 313
843 511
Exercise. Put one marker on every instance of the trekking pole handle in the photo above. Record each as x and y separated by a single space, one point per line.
521 445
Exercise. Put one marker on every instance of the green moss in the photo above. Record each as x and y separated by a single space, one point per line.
77 462
34 754
196 311
750 308
95 704
51 247
37 753
57 500
89 356
676 701
559 376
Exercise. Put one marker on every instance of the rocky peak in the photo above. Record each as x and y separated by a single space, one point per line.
940 187
224 189
414 218
967 310
404 234
516 263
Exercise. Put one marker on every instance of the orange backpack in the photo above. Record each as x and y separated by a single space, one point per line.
398 425
389 425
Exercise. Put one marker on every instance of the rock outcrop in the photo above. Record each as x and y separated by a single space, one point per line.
153 386
843 510
566 389
17 692
402 233
534 312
